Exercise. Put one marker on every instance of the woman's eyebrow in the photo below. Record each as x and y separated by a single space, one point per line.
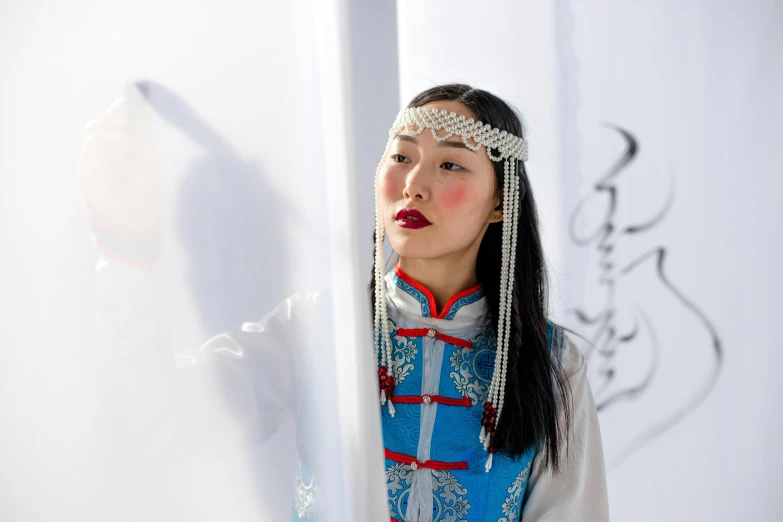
446 143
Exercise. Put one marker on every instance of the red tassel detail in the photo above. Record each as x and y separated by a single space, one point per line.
489 418
386 382
488 423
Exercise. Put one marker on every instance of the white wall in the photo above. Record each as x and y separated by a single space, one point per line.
688 416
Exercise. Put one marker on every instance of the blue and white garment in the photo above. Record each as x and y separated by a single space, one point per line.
260 368
456 487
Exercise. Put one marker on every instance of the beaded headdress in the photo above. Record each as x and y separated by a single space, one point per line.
510 148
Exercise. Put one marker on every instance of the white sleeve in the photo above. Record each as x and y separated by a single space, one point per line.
255 372
235 389
578 492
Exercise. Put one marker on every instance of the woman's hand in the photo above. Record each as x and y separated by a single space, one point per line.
119 169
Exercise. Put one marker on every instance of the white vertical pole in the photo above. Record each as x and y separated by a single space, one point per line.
363 486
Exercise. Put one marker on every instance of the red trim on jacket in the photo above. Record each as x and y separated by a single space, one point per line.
440 399
455 298
424 332
431 298
429 464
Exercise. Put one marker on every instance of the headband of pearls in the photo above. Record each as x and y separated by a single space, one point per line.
415 119
510 148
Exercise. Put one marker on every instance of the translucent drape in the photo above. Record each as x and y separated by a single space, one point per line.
172 173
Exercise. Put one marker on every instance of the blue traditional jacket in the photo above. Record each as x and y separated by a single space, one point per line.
443 362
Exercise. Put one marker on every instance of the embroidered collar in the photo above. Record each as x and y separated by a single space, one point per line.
416 301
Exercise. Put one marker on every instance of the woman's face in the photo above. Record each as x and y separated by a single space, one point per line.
450 186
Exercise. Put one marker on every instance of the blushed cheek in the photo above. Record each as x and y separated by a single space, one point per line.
390 187
457 197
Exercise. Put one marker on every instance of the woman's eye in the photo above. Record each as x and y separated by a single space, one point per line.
449 164
399 158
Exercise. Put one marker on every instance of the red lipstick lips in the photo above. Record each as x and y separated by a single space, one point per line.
411 218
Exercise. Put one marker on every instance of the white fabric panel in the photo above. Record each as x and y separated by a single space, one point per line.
226 154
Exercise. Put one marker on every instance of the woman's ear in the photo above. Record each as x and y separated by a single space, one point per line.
496 215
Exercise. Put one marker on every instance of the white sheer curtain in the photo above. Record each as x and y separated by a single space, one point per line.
211 145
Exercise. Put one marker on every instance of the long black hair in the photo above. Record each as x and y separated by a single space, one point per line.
537 402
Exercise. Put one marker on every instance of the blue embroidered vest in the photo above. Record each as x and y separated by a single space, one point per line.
443 365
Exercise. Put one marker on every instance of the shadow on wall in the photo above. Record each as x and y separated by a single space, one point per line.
227 220
226 217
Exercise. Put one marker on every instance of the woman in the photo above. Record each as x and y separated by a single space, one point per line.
468 435
486 409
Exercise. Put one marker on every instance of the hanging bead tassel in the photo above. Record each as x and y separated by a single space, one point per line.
490 418
486 420
509 291
390 393
488 465
386 383
380 319
494 405
382 383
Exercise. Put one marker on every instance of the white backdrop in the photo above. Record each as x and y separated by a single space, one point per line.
653 130
243 149
686 379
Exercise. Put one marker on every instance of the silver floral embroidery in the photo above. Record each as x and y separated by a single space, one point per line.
449 495
511 506
398 482
404 350
305 491
473 367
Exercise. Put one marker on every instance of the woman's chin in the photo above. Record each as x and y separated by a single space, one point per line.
412 250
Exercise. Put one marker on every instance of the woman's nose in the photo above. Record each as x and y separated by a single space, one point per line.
417 183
